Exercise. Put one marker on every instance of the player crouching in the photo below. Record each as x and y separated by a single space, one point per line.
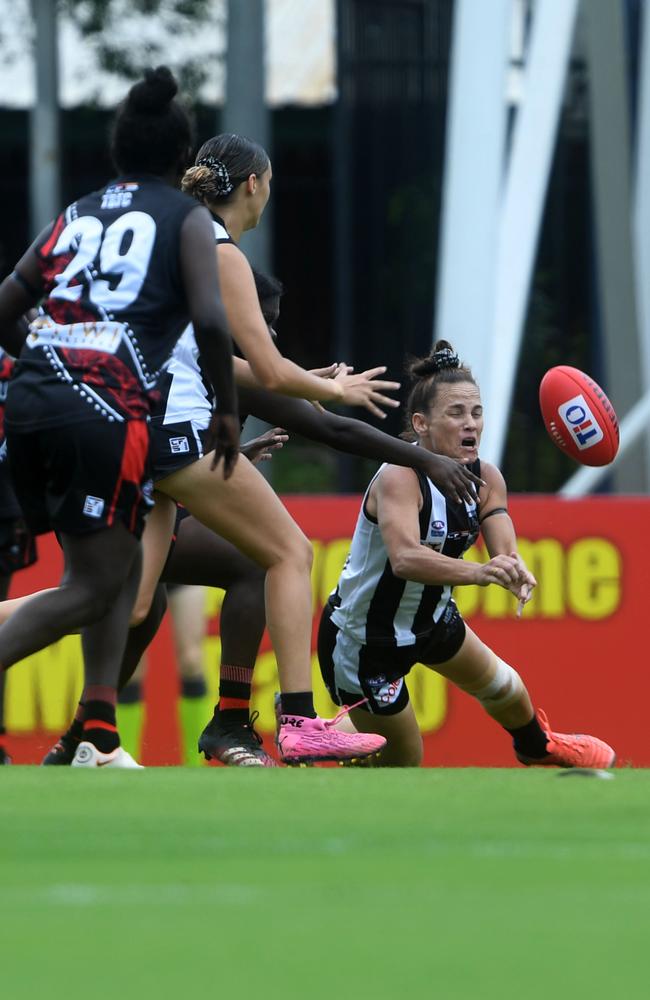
393 607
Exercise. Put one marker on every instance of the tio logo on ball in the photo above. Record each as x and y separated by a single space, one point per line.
580 422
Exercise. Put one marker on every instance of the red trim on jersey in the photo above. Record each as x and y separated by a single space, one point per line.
49 244
134 457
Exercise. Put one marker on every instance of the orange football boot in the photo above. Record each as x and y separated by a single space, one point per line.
575 750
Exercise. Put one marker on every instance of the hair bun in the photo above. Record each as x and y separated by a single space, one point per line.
155 92
443 356
220 176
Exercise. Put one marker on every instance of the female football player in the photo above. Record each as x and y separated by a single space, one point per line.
119 274
393 605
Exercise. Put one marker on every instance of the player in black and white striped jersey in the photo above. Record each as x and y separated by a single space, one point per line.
393 605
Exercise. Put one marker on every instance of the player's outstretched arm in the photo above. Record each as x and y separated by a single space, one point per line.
354 437
271 369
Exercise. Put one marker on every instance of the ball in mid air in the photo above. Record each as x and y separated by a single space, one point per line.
578 416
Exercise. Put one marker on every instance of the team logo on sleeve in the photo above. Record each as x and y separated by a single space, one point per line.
93 506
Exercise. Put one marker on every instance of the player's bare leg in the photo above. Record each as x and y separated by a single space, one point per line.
478 671
245 510
404 740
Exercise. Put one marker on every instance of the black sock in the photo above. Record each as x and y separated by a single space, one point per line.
74 734
298 703
234 694
195 688
130 694
530 740
100 727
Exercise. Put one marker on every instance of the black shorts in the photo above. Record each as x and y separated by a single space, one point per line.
82 477
17 546
352 670
173 446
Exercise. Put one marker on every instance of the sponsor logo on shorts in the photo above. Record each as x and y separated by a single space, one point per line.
580 422
384 692
93 506
179 445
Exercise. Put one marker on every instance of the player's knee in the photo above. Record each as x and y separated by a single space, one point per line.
503 687
140 611
93 606
298 551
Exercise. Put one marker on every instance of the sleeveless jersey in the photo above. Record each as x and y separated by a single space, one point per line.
186 392
374 606
113 310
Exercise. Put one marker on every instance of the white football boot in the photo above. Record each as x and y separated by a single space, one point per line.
88 755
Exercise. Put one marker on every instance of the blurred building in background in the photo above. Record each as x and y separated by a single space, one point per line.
362 98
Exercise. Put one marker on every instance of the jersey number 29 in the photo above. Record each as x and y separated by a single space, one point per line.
121 252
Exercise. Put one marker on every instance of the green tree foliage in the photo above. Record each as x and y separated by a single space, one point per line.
129 35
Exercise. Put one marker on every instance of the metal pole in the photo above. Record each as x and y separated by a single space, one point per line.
245 110
523 205
610 157
245 113
44 173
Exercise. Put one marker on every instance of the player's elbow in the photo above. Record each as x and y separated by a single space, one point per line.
401 565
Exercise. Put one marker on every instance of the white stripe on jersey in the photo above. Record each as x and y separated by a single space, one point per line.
189 398
364 569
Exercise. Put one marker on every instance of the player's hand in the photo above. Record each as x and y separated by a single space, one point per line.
260 449
453 479
223 438
502 570
331 371
526 584
365 389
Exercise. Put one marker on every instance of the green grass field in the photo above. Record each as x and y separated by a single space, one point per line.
323 883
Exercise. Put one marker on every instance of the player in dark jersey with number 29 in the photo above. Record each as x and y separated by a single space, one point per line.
120 273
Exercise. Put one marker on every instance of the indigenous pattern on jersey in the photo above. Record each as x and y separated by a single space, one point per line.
114 307
185 399
374 606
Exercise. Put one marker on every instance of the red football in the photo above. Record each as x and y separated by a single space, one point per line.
578 416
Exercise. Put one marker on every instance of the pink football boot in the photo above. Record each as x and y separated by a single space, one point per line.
573 750
305 741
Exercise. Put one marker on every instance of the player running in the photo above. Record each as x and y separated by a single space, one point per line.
198 555
393 605
120 273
